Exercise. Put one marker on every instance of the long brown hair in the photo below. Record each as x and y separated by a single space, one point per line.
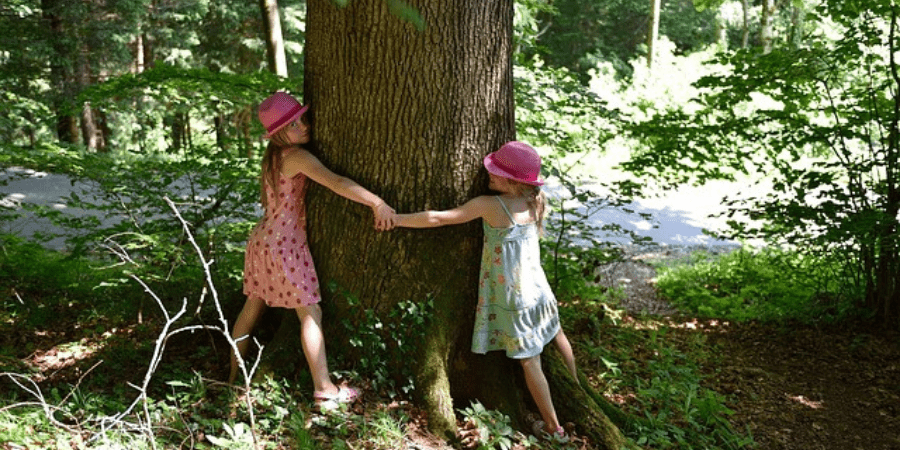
536 200
271 163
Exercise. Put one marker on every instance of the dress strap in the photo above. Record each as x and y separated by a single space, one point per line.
508 214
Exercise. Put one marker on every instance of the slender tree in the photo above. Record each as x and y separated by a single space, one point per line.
653 32
767 25
745 29
62 78
272 33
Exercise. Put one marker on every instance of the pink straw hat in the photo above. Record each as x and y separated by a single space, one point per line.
279 110
517 161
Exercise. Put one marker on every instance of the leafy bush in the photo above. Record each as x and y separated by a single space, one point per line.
767 284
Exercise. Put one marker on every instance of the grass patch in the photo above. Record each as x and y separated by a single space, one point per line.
767 284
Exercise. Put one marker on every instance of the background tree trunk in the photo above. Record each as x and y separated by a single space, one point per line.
767 25
274 41
61 70
745 32
653 32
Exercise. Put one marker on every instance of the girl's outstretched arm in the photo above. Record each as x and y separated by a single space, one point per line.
305 162
471 210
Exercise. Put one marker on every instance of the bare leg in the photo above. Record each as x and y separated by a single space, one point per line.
313 342
540 391
565 348
246 321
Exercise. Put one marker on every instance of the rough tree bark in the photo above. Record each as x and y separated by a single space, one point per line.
410 114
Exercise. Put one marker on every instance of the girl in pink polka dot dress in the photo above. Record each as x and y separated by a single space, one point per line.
278 268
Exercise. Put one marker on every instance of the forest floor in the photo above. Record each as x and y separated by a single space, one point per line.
790 387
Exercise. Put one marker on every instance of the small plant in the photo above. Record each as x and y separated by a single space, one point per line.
384 432
493 427
236 437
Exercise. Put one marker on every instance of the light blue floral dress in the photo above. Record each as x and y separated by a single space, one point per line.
516 311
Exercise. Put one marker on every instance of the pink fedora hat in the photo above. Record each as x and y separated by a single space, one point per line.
279 110
517 161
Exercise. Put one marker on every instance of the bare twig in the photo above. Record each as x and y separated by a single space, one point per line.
35 390
215 295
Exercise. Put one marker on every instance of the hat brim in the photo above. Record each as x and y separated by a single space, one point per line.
493 168
286 122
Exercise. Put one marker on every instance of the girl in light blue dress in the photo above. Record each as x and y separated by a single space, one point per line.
517 311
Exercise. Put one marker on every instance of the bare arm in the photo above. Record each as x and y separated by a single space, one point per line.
303 161
469 211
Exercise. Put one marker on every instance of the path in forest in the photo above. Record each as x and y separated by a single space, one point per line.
679 216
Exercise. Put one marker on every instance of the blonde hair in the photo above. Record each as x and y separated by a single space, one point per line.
271 163
536 200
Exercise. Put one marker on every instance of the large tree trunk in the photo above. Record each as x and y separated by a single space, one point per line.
410 115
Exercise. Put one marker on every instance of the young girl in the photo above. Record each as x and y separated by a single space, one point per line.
516 309
278 268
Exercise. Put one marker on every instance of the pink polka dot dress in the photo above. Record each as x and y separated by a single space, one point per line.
277 264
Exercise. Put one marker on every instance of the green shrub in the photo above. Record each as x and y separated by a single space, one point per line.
767 284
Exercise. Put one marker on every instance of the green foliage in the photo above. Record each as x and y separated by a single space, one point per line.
215 192
39 284
186 86
394 338
660 370
818 120
767 284
580 34
234 437
384 431
679 411
528 26
494 428
555 112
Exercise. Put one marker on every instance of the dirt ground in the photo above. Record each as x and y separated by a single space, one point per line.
813 388
798 386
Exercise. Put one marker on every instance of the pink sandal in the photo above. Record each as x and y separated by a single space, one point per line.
344 395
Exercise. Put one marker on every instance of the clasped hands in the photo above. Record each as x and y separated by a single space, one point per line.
385 217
